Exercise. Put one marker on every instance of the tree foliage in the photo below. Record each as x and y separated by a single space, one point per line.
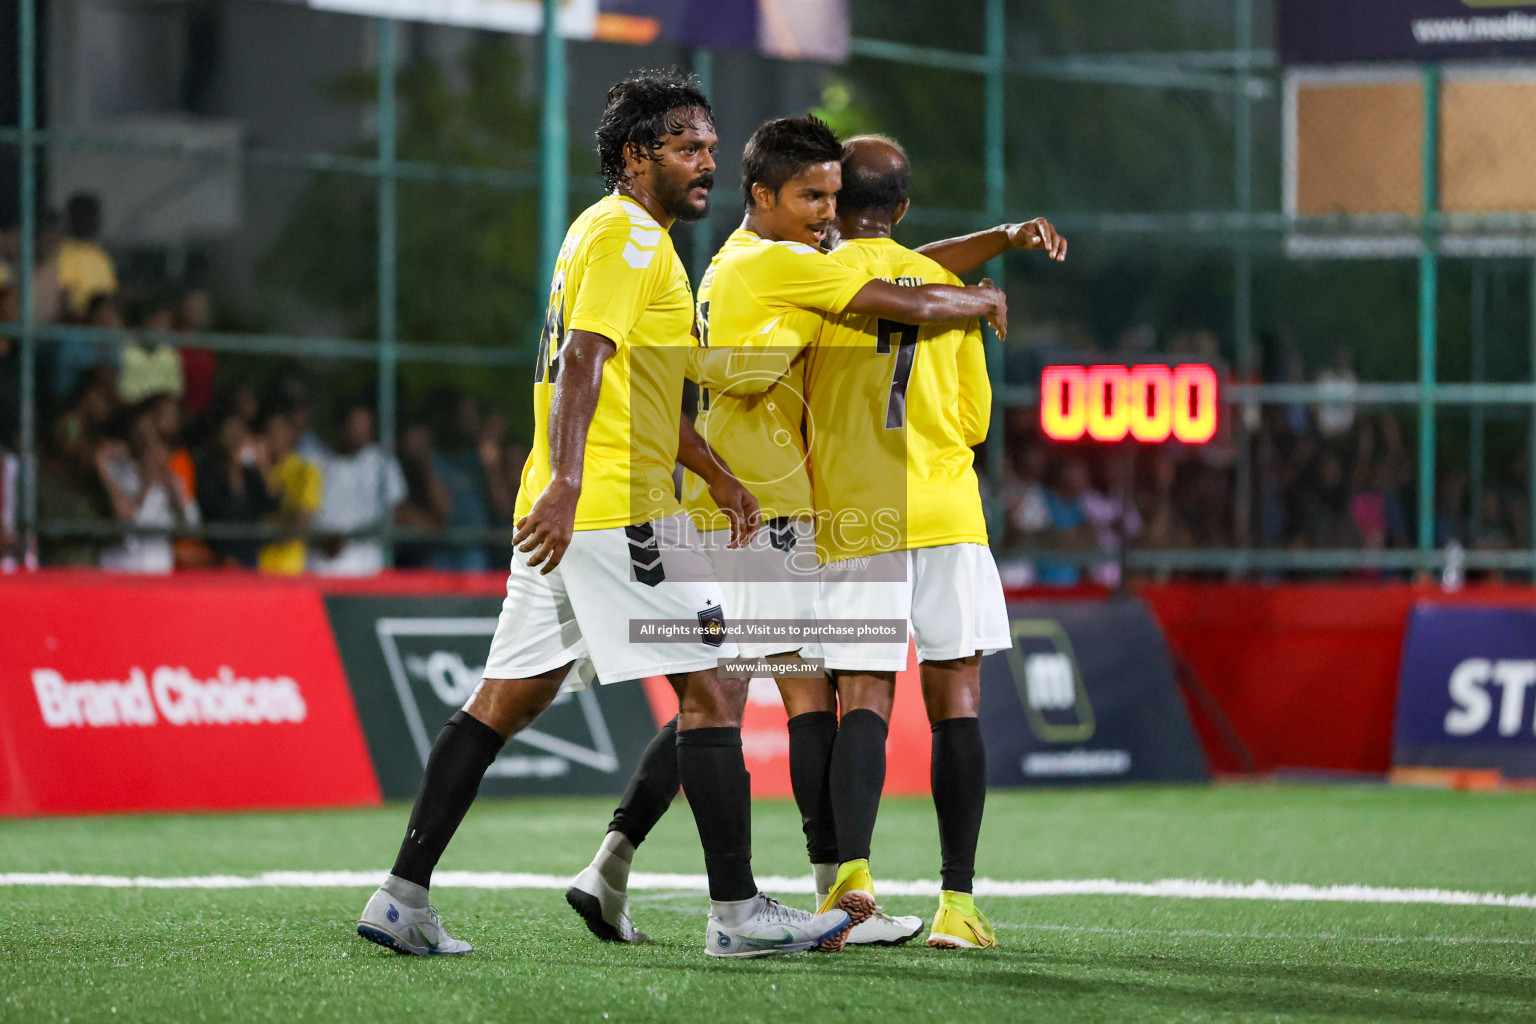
467 253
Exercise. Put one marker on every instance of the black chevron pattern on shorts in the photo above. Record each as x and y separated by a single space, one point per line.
644 554
781 533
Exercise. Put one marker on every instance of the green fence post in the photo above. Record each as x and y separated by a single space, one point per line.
996 168
1428 312
1531 444
388 353
552 143
1242 269
27 70
1475 455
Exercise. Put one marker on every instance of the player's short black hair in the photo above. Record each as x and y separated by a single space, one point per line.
781 149
866 191
641 109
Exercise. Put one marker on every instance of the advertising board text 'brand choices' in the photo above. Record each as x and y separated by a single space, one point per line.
169 694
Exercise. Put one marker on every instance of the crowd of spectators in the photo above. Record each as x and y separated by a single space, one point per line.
151 460
159 461
1323 476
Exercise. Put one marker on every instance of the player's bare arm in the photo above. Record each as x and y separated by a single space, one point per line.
933 303
546 529
964 254
738 504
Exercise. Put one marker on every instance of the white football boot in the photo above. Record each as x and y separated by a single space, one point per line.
391 923
882 929
772 928
604 908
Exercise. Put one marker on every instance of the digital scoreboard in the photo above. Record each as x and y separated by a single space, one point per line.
1150 403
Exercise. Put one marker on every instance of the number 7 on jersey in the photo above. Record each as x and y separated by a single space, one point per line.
905 337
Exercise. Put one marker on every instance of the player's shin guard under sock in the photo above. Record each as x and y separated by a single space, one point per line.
651 788
959 778
463 751
858 776
719 790
811 736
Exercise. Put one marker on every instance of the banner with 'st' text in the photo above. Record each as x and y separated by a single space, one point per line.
1468 694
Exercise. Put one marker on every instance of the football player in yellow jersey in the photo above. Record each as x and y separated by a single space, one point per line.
893 409
769 286
602 542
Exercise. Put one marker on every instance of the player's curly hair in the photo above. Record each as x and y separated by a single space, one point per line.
644 109
783 148
866 191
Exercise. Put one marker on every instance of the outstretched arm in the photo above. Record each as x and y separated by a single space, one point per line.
546 529
933 303
964 254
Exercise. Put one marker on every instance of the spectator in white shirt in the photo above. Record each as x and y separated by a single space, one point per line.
146 493
1335 418
361 486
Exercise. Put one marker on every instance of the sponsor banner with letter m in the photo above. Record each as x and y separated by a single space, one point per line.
1086 695
1467 700
139 696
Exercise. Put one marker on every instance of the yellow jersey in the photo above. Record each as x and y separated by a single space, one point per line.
760 305
893 412
298 480
618 276
84 272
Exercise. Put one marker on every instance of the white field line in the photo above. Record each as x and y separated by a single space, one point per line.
673 903
1171 888
1198 933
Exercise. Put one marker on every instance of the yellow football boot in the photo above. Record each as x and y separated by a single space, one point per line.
854 892
959 925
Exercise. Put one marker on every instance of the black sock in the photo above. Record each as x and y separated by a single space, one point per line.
857 777
463 751
651 788
810 775
719 790
959 778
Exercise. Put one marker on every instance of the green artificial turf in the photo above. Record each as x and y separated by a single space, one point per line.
89 954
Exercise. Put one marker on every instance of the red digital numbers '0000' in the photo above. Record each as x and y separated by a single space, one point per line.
1149 403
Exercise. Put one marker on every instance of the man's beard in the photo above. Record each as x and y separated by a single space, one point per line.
676 202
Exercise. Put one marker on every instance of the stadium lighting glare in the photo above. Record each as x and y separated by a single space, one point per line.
1150 403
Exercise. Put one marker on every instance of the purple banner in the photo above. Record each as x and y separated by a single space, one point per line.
794 29
718 24
1468 686
1353 31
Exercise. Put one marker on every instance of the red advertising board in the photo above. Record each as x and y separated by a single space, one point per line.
117 697
1306 674
765 735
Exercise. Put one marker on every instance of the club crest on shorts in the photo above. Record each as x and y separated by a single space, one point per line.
712 625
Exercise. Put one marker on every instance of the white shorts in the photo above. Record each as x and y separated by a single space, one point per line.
951 598
775 576
581 612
